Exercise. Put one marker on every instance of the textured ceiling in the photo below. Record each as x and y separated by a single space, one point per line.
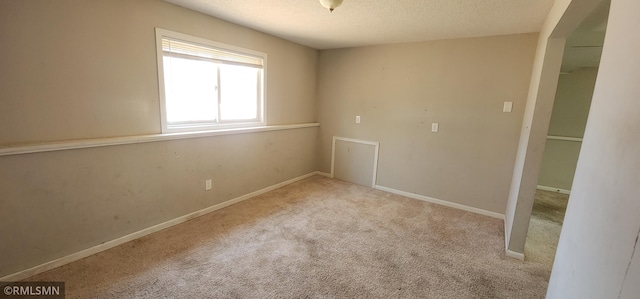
369 22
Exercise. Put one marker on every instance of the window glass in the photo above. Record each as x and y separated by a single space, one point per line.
239 91
208 85
190 90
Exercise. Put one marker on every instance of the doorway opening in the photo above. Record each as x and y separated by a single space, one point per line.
564 138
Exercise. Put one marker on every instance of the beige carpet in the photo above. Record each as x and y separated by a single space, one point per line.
545 226
317 238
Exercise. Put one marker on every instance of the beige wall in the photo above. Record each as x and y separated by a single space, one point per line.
399 90
568 119
598 254
87 69
572 102
559 164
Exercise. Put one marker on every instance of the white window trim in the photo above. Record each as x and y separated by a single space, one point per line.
160 33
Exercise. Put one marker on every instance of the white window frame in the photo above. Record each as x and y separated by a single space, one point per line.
207 126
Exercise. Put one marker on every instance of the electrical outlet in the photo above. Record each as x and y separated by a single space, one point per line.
507 107
434 127
357 119
208 185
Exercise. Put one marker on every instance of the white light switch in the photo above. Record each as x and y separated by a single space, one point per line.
357 119
208 185
507 107
434 127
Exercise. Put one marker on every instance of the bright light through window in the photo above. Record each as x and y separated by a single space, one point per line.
190 90
207 85
238 93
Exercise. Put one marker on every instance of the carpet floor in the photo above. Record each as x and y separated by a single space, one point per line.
545 226
316 238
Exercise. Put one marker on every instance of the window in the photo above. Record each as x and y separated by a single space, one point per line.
206 85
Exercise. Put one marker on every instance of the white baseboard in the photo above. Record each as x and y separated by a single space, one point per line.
506 236
141 233
325 174
442 202
514 255
510 253
553 189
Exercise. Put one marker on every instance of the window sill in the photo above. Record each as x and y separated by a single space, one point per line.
98 142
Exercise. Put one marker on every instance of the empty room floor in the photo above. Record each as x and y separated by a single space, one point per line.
545 226
318 237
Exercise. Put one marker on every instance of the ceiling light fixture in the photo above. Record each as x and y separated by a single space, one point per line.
331 4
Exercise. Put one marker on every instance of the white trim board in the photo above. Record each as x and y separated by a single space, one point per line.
442 202
564 138
97 142
510 253
514 255
141 233
324 174
506 242
376 146
553 189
